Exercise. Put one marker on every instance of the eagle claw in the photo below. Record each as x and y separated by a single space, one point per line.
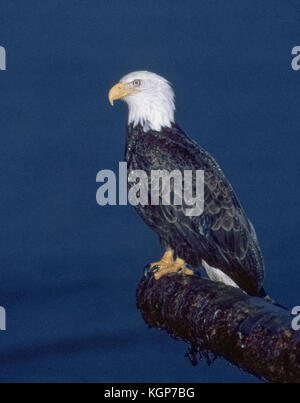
150 269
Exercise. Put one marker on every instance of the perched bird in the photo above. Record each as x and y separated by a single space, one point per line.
221 239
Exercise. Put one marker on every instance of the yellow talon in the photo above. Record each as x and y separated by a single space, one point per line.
167 265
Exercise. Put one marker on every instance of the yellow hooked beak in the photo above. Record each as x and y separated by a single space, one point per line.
118 91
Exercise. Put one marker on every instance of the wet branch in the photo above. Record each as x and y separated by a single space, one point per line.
248 331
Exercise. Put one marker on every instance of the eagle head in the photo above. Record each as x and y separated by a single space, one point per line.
150 99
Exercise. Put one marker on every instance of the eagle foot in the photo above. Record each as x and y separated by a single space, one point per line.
168 265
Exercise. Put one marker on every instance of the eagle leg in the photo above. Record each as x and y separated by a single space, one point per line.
168 265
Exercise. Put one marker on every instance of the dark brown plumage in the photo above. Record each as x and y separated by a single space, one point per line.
222 236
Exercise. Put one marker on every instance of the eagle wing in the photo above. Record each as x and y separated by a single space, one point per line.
222 235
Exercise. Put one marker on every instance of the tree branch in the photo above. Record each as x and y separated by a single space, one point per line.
248 331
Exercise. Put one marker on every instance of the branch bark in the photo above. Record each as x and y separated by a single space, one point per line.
248 331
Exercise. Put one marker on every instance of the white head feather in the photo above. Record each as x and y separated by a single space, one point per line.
151 104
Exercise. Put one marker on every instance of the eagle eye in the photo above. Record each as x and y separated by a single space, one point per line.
136 83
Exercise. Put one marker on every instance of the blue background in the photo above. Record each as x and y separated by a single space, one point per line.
69 268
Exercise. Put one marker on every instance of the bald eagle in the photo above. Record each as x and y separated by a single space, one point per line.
221 239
